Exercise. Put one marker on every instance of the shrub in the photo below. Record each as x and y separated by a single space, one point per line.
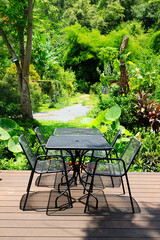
148 159
11 155
62 81
20 163
155 42
128 117
10 94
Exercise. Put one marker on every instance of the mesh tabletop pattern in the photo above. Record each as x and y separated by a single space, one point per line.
77 131
78 142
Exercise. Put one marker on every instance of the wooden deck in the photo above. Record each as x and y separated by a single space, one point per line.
114 222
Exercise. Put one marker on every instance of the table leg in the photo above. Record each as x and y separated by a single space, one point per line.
67 188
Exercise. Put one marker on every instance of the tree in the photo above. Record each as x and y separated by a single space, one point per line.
147 12
16 20
124 86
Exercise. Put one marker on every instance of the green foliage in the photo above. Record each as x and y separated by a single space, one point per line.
146 74
10 96
20 163
107 120
84 52
128 114
108 123
147 13
112 15
82 12
62 82
15 19
36 95
11 156
155 42
148 112
10 151
8 134
4 56
148 159
45 54
113 113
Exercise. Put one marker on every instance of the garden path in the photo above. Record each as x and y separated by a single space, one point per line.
64 114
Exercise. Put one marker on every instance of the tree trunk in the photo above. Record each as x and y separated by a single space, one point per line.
25 94
124 86
26 108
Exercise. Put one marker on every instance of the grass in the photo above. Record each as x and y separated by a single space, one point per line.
48 126
84 99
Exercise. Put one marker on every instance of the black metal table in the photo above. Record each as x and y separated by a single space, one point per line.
81 143
77 131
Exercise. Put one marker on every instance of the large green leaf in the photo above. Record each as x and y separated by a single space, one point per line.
100 119
4 135
113 113
87 120
8 124
13 145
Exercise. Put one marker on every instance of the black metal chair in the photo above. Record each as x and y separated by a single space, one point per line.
100 153
42 164
42 141
117 167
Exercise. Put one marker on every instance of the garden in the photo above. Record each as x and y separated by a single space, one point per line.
108 50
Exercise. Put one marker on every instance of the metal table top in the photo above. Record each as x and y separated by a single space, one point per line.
77 142
77 131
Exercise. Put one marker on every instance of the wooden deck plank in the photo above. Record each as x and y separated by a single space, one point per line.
118 224
96 232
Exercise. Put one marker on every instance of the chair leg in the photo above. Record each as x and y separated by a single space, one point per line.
39 179
112 181
85 184
130 195
28 188
90 193
123 185
82 164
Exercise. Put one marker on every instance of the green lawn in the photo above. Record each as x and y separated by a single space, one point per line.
48 126
84 99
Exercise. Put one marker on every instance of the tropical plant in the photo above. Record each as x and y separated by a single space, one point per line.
154 117
141 103
11 157
8 134
148 112
108 123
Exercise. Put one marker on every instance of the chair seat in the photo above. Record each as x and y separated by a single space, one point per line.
97 153
105 169
58 153
51 166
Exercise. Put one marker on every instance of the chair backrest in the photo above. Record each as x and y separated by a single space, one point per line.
115 138
40 137
27 150
131 151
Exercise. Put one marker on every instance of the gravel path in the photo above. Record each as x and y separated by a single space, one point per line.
64 114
